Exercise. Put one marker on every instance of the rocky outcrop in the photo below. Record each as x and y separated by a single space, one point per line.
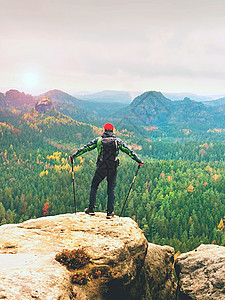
43 105
201 273
130 268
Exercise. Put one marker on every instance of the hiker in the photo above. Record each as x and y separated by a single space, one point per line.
108 146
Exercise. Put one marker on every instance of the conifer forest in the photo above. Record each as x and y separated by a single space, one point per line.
178 198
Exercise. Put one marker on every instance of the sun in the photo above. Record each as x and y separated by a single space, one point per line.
30 80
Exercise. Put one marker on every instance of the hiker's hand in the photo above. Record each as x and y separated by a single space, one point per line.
140 164
71 158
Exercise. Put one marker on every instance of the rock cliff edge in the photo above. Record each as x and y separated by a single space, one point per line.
201 273
127 267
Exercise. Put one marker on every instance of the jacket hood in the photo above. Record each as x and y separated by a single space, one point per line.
108 133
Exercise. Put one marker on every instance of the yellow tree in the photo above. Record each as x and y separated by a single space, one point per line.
221 226
208 169
190 188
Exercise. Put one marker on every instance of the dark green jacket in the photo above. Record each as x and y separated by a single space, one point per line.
96 143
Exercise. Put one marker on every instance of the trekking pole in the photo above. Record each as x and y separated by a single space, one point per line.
129 190
73 187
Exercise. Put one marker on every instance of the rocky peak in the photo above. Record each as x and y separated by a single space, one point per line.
151 97
151 108
43 105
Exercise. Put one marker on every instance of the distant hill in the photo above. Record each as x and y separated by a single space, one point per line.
62 101
80 110
151 107
154 109
190 113
217 102
16 99
181 96
60 96
68 105
110 96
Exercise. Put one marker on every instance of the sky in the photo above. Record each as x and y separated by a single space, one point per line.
131 45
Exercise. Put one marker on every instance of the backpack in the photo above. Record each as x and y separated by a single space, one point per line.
109 150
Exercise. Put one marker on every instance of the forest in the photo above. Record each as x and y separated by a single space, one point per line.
178 196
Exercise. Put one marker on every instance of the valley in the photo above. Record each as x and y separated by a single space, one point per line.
178 196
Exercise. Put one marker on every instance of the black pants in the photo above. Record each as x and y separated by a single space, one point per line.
99 175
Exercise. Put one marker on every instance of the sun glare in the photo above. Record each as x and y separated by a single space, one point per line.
30 80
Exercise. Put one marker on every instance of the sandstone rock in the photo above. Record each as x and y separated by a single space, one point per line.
28 269
157 274
201 273
43 105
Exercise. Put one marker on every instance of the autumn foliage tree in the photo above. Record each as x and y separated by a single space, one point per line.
45 209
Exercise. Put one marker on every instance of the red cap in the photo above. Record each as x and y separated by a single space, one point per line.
108 126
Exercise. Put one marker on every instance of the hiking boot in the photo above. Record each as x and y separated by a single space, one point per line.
110 215
89 211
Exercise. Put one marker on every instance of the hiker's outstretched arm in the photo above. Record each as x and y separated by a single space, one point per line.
90 146
124 147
